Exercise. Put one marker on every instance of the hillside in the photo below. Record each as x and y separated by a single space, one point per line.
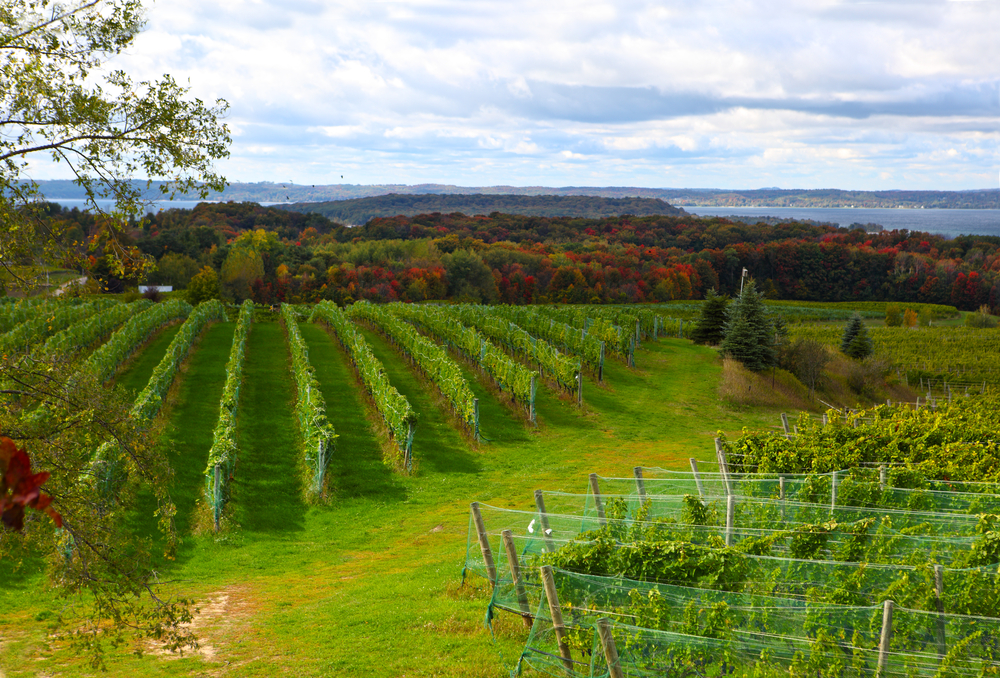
362 210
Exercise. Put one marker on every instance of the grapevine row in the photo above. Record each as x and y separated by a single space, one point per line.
150 399
123 343
97 327
427 356
222 456
50 320
13 313
619 341
317 432
565 370
587 347
392 406
509 375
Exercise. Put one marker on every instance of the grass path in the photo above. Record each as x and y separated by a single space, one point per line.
368 585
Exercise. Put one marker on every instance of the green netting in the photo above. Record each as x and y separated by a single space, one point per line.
669 630
684 555
856 487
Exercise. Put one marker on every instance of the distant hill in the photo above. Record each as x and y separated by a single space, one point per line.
269 192
361 210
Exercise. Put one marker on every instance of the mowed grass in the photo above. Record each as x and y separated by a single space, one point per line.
369 583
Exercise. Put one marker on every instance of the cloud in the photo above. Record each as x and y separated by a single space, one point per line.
686 93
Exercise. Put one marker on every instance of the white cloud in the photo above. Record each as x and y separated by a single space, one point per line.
629 92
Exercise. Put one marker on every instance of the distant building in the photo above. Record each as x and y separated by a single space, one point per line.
159 288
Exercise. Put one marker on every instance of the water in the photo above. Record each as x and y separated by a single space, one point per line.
945 222
156 206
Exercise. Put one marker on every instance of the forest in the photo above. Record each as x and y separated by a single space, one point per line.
272 255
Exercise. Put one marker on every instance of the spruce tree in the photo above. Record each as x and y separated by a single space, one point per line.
855 341
749 331
709 329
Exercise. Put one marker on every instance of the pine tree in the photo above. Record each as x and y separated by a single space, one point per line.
855 341
749 331
709 329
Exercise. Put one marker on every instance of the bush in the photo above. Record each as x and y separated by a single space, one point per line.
893 316
981 319
203 286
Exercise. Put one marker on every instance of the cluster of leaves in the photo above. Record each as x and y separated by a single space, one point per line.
127 339
490 321
506 373
957 441
432 360
317 432
150 399
391 405
224 451
20 488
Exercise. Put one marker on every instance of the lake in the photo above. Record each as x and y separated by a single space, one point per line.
945 222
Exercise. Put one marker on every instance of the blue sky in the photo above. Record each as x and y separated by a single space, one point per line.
699 93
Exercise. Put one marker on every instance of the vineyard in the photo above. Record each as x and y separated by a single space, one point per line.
324 460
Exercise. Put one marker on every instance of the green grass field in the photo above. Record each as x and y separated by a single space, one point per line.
369 582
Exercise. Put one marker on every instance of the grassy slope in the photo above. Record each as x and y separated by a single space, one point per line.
370 584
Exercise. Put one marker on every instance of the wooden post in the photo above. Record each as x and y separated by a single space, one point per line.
881 477
730 518
720 452
515 572
475 410
215 497
640 485
833 492
697 477
825 422
781 494
610 650
557 621
600 365
596 491
939 603
886 639
484 544
579 386
531 405
784 422
544 517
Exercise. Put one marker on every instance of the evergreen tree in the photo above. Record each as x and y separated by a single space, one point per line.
749 331
709 329
855 341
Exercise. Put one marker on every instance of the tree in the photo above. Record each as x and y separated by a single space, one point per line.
910 318
893 315
981 319
57 100
712 320
749 331
855 341
203 286
807 358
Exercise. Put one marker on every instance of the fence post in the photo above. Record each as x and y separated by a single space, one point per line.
557 621
531 405
610 650
720 453
730 518
784 423
475 409
544 517
939 603
596 491
579 386
697 478
781 494
217 509
484 544
833 492
600 365
515 572
640 486
886 638
881 477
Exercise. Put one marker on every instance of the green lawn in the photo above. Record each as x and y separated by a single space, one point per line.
369 583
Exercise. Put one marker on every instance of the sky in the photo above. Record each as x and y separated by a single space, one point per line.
691 93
